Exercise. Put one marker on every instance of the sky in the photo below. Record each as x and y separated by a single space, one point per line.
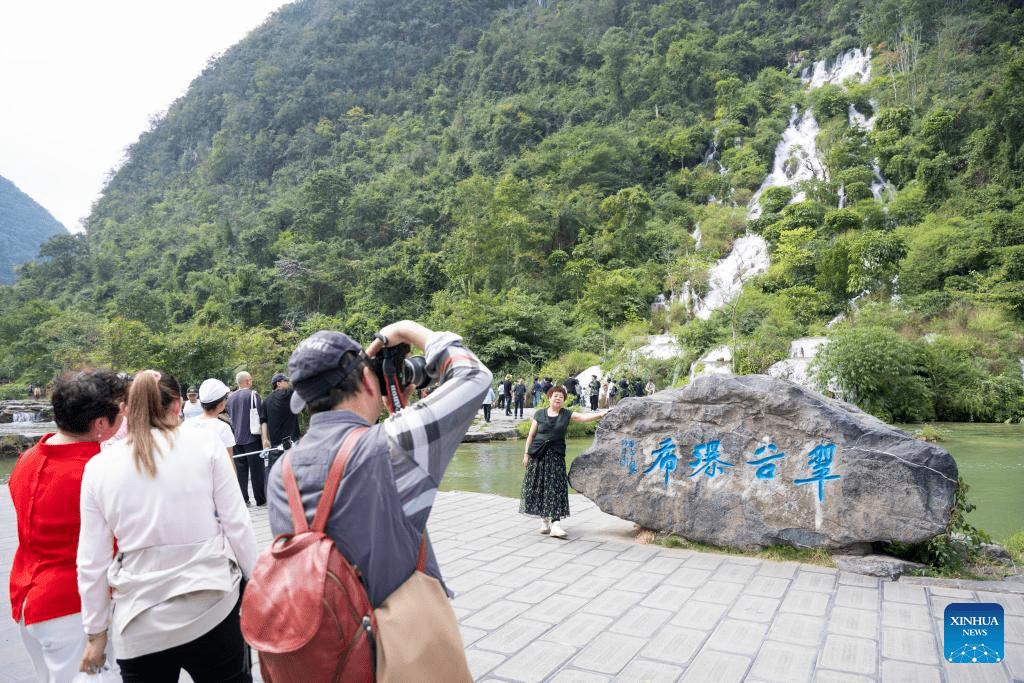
81 80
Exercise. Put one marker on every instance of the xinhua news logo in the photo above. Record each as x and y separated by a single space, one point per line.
973 633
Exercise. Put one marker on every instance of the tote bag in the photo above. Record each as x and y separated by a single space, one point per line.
254 416
417 633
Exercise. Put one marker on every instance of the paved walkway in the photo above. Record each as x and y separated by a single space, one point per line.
599 607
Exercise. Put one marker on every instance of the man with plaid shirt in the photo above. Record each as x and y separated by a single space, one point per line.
395 467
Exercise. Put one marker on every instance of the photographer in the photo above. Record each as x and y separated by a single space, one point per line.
394 469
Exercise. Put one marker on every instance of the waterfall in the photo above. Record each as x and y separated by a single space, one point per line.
796 156
853 63
26 417
881 189
749 256
796 161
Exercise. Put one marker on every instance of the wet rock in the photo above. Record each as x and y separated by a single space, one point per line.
996 553
754 461
13 445
492 435
875 565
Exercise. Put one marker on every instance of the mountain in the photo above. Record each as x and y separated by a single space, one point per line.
536 174
24 226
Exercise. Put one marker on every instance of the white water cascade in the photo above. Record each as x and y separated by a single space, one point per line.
796 156
854 63
749 256
796 160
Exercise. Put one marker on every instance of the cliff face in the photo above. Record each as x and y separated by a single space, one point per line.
24 226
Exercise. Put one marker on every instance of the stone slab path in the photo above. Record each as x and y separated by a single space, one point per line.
599 607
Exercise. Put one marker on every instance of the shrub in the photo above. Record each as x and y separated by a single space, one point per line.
13 390
879 370
1015 546
571 363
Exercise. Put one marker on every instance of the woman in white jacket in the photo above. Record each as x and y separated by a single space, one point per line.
169 597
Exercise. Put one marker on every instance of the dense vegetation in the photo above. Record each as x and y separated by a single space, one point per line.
530 175
24 226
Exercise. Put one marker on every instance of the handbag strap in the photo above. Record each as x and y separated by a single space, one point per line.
334 476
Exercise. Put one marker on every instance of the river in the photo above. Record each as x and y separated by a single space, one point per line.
990 458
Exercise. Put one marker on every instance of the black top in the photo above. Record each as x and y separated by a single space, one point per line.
281 421
550 431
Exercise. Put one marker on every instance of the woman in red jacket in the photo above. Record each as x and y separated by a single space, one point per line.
88 407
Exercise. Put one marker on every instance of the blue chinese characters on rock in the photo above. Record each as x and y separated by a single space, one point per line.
709 460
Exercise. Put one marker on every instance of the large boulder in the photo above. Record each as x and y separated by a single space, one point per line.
753 461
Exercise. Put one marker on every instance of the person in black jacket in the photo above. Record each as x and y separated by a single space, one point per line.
282 423
519 394
507 384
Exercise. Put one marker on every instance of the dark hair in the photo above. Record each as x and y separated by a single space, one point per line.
213 404
149 403
342 390
79 398
560 389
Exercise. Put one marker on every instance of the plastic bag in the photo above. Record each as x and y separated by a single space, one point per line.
104 676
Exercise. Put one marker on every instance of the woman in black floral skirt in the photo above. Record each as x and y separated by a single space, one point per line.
545 487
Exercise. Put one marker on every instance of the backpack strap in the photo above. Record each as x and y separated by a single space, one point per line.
421 561
291 488
323 509
337 471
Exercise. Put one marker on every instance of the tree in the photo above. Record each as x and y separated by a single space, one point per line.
874 262
615 50
506 328
613 297
877 369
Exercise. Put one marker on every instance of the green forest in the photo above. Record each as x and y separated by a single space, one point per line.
529 175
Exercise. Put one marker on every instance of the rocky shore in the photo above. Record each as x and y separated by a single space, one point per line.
501 427
29 410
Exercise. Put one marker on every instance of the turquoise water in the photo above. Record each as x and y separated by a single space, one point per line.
991 460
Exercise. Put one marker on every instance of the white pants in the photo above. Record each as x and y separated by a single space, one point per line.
56 646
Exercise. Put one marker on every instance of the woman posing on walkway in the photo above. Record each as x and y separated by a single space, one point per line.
184 541
545 487
88 407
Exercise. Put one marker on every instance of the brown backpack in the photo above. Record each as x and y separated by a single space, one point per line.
305 608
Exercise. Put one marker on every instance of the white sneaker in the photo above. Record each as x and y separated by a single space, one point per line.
545 526
557 531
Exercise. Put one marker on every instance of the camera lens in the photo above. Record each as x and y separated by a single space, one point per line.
416 372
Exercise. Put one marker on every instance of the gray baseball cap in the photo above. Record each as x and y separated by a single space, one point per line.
315 365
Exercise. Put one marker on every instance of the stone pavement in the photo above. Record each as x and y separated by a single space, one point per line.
599 607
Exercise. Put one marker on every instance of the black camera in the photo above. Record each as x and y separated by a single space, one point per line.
395 370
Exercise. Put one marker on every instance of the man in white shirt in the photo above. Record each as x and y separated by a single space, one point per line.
192 406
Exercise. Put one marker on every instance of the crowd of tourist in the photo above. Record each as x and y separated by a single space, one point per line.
133 534
597 394
134 542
